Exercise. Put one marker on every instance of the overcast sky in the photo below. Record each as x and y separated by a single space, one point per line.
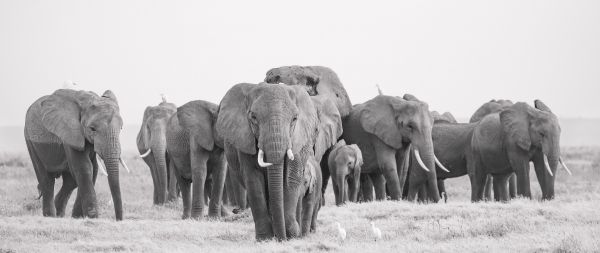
455 56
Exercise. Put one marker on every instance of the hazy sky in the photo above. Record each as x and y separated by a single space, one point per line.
453 55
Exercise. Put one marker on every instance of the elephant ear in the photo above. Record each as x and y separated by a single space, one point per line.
306 129
61 116
378 117
358 153
411 97
449 117
110 95
232 121
515 123
541 106
330 125
198 117
143 138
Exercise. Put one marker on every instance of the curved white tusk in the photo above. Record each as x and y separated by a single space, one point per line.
124 165
440 164
418 156
101 165
261 159
290 154
547 165
565 166
146 154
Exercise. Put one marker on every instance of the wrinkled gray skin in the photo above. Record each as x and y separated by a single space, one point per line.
321 82
452 145
153 136
383 128
195 153
275 119
526 134
494 106
64 132
344 165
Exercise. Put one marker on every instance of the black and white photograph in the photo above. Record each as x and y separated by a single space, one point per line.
299 126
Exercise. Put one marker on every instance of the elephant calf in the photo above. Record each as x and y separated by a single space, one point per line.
345 162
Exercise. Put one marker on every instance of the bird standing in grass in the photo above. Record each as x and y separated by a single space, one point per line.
376 231
341 232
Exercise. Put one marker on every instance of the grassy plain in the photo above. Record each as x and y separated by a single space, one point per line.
570 223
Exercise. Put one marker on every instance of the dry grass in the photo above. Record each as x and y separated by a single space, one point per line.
571 223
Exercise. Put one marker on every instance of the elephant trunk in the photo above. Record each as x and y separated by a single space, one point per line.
275 187
341 187
161 173
111 154
275 140
553 156
428 157
356 185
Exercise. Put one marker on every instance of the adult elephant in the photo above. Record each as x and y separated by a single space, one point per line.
196 152
321 82
345 163
271 134
383 128
152 145
452 147
526 134
67 134
494 106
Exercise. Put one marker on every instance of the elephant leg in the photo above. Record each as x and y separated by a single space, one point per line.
326 175
379 185
422 194
487 191
199 158
352 189
82 170
45 182
501 187
172 184
63 195
336 192
366 187
391 180
442 189
77 211
219 174
308 207
541 174
207 186
521 167
477 185
255 182
512 186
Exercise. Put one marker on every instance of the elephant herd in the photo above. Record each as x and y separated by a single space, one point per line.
273 146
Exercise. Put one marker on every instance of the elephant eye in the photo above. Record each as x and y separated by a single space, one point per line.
93 129
295 118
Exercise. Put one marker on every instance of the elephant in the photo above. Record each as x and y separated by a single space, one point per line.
344 165
271 136
383 128
494 106
321 82
152 145
69 134
507 141
195 154
452 148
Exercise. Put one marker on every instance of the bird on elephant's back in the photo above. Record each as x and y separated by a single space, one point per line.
384 128
271 133
69 134
152 145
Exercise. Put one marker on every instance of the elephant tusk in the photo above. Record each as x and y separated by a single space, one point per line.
440 164
547 165
418 156
565 166
146 154
290 154
124 165
261 159
101 165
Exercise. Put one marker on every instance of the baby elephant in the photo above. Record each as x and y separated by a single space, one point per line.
344 165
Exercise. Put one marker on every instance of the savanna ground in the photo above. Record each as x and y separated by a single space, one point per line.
570 223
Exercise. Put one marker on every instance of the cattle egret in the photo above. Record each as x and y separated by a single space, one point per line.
341 232
376 231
